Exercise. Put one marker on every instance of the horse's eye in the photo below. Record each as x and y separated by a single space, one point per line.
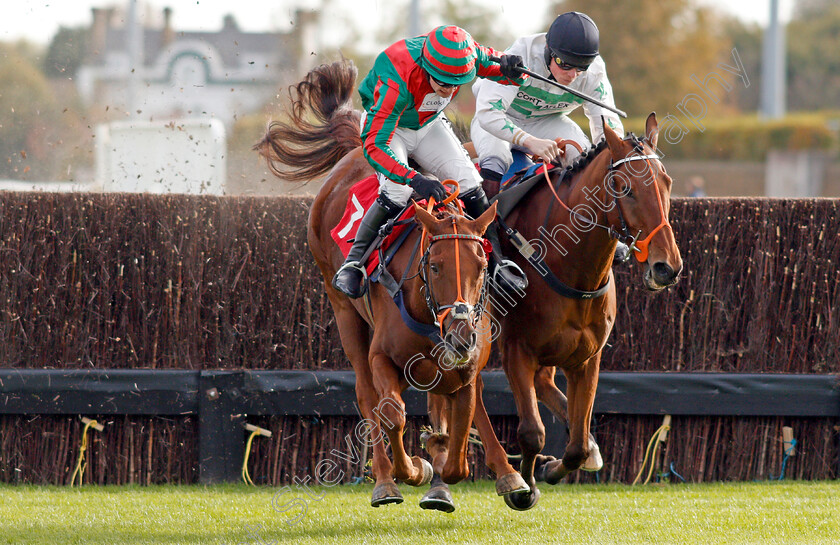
434 268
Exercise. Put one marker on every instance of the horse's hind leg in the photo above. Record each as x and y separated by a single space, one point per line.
438 497
507 478
582 385
354 333
555 400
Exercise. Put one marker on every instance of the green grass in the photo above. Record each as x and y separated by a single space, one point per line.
736 513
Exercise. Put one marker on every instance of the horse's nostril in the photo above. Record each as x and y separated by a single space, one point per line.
460 340
663 272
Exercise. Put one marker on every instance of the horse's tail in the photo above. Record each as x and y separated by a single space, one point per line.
303 148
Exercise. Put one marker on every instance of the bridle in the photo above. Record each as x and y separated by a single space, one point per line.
639 248
459 309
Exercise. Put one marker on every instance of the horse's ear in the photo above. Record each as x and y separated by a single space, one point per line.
484 220
652 130
426 220
613 141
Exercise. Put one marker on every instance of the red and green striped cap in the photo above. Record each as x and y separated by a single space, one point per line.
449 55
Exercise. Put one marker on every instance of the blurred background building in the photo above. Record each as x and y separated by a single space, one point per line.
224 74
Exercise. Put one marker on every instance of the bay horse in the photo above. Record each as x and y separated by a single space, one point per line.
322 134
568 227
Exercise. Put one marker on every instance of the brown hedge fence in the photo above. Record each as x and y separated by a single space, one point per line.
138 281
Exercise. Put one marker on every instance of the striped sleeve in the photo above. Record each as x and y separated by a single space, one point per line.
382 120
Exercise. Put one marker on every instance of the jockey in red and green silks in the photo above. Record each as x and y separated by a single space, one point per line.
410 85
398 93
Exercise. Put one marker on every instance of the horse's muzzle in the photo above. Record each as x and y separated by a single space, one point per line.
461 340
660 275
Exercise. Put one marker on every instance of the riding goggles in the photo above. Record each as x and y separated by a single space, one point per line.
443 85
566 66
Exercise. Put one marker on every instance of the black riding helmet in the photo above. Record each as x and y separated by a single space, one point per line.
572 38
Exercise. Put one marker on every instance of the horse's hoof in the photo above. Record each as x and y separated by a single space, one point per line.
594 462
522 501
385 493
540 463
439 499
510 484
425 467
554 472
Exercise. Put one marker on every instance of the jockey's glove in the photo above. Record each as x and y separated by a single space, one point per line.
511 66
427 187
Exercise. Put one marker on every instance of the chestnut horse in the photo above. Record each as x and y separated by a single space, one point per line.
617 190
443 284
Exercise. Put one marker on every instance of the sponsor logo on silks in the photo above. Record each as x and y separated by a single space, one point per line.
433 103
521 95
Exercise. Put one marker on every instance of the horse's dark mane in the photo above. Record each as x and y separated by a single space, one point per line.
589 155
303 148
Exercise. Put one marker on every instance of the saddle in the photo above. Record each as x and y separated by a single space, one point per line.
518 181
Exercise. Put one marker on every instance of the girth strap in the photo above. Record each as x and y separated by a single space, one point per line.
530 253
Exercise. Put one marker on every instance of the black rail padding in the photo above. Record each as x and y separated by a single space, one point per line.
98 391
719 394
332 393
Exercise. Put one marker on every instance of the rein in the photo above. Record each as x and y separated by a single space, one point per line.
460 306
640 248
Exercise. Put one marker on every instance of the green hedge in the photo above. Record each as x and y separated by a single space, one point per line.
743 138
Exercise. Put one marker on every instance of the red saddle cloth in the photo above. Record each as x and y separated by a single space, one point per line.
359 199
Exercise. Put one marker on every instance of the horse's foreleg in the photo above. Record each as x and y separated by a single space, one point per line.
462 409
414 471
507 479
438 439
354 334
520 369
555 400
438 497
582 384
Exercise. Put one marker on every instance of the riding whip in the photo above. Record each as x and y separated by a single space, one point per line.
566 88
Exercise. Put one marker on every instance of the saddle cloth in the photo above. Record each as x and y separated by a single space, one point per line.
359 199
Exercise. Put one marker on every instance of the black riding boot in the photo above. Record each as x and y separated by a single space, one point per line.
492 182
348 279
504 272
